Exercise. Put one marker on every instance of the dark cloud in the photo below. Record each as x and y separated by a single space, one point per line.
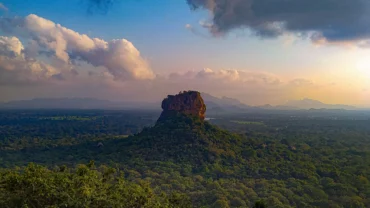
59 77
99 6
334 20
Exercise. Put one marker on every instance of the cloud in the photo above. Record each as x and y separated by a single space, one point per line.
233 75
119 56
299 82
10 46
228 81
251 87
191 28
195 31
20 75
339 22
333 21
3 7
16 69
39 58
23 71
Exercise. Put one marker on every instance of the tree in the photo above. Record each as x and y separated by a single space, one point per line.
260 204
36 186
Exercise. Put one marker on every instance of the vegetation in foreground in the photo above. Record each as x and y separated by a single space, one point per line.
86 186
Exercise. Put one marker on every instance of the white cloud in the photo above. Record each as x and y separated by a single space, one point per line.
119 57
223 75
230 76
15 68
3 7
10 46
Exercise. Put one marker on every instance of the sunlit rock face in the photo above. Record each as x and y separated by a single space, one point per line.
189 103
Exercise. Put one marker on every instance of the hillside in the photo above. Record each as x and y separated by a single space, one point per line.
178 137
181 135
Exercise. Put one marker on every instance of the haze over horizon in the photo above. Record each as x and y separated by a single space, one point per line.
143 50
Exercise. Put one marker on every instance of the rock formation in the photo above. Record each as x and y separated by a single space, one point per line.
189 103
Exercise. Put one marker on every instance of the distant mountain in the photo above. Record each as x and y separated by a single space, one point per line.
213 104
73 103
223 104
307 104
277 107
315 104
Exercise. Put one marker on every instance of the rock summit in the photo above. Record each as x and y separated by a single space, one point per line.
189 103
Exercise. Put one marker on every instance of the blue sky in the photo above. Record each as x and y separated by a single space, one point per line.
158 31
153 27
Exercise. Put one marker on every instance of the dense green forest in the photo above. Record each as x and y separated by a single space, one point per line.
281 160
85 186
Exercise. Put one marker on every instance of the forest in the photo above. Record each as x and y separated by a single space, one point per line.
96 158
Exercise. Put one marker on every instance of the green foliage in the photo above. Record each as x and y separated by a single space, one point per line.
186 140
36 186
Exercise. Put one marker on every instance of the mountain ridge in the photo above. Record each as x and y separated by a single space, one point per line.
307 103
74 103
214 104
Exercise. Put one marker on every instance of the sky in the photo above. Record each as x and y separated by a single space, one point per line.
260 52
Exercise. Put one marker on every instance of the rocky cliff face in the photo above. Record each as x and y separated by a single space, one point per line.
188 102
